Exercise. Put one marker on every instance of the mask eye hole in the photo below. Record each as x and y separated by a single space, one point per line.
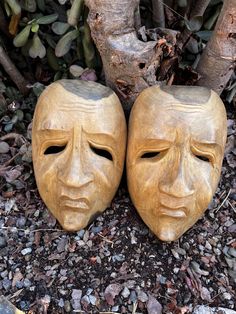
203 158
150 155
51 150
102 152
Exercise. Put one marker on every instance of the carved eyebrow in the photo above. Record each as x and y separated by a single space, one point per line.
51 132
156 143
213 148
101 139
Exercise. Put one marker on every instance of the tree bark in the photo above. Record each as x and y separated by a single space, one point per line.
217 62
130 65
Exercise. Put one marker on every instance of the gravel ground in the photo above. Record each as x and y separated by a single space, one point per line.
115 265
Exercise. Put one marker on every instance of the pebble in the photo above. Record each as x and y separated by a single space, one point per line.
153 306
27 283
6 283
61 245
92 299
3 242
26 251
61 303
125 293
67 306
115 308
20 223
4 148
133 296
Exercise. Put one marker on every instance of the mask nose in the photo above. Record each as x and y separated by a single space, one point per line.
179 182
75 173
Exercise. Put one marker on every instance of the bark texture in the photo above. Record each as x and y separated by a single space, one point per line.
129 64
218 60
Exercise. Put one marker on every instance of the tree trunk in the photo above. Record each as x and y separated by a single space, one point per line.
130 65
217 62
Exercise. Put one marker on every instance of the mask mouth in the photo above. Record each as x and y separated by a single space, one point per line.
77 204
177 212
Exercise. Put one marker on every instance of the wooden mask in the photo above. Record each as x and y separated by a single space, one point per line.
175 150
78 142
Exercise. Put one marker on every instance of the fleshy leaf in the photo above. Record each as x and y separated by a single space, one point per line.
64 44
21 39
60 28
47 19
37 49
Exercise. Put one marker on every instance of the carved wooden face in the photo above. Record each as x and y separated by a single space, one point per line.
175 149
78 142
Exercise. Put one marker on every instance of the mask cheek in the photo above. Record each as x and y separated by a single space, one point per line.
143 185
47 181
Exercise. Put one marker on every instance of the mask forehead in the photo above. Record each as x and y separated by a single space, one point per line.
158 114
76 109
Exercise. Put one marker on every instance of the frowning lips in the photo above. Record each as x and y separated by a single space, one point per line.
174 207
80 204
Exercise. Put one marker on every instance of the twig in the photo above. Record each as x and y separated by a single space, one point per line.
219 207
11 136
8 162
13 72
105 239
135 305
13 229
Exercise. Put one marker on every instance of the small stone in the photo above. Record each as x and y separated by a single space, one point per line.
142 296
67 306
86 236
61 245
61 303
4 148
133 296
125 293
92 299
20 223
227 296
26 251
27 283
153 306
6 283
76 294
115 308
3 241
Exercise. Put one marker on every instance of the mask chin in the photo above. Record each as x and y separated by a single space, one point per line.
72 221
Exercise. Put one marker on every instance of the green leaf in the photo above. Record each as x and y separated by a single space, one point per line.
38 88
21 39
47 19
37 49
14 5
204 35
194 24
60 28
35 27
53 61
30 5
64 44
41 5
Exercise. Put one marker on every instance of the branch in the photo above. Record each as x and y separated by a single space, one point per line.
13 72
130 65
218 60
158 14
